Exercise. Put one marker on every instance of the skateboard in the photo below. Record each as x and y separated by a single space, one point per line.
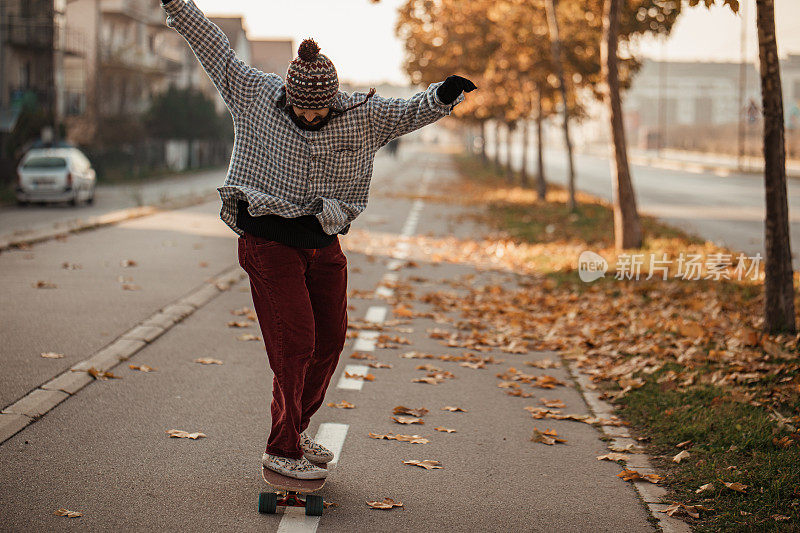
290 492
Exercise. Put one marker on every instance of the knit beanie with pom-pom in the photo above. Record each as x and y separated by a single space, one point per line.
311 80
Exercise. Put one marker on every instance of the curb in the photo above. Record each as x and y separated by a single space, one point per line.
42 399
63 228
650 493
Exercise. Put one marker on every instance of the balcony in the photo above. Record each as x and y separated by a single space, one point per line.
29 32
135 59
73 42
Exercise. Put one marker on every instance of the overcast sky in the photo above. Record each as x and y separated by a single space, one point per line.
359 36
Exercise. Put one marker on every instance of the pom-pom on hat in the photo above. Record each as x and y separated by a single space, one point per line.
311 80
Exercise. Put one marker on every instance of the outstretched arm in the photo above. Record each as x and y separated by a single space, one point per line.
237 82
393 117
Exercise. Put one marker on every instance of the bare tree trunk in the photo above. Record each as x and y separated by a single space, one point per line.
555 45
497 165
541 183
510 127
627 226
523 172
778 286
483 142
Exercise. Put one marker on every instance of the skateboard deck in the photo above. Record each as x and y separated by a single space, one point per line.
281 482
292 493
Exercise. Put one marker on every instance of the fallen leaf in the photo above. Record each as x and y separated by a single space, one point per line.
387 503
70 266
413 439
402 410
417 355
552 403
430 381
407 419
403 311
67 513
239 324
474 366
208 361
127 263
361 355
96 374
41 284
130 287
453 409
427 464
378 364
677 508
630 447
142 368
364 377
680 457
519 392
704 488
683 444
633 475
428 368
446 430
547 437
344 404
738 487
52 355
248 337
181 434
613 456
544 363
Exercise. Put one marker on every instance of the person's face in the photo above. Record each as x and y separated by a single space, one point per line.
311 116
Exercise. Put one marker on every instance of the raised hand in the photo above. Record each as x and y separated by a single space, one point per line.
452 87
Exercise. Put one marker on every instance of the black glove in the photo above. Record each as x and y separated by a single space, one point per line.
452 87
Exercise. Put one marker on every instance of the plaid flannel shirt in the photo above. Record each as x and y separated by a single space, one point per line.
279 168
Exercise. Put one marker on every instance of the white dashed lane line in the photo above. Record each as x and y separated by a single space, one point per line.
375 314
365 342
331 435
294 519
352 383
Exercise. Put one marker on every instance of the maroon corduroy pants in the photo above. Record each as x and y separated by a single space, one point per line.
300 299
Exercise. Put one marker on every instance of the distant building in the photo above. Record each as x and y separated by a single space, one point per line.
34 45
233 27
272 55
688 93
693 93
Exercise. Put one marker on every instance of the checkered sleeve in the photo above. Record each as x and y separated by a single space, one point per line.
236 82
393 117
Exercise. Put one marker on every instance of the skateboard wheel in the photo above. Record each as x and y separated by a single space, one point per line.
314 505
267 502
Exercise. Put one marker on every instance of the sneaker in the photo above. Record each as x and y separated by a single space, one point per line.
314 452
294 468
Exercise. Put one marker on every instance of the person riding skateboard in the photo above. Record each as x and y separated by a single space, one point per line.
299 174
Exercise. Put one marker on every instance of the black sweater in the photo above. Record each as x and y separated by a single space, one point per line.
303 232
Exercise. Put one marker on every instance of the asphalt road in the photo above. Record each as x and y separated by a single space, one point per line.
104 451
726 209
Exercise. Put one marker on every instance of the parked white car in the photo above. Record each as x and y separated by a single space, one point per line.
55 175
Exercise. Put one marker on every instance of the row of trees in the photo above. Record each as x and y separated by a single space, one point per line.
534 58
